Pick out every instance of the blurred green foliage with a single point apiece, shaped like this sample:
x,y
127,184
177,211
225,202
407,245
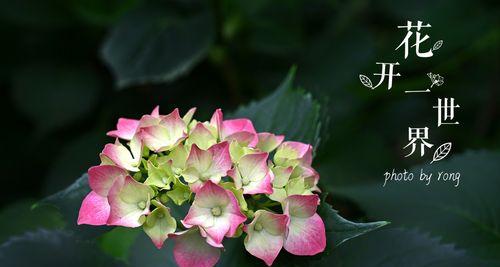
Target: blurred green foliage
x,y
69,69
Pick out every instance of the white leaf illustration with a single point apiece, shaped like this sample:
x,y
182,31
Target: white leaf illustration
x,y
437,45
441,152
366,81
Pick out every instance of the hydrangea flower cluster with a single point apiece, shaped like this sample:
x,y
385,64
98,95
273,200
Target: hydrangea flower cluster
x,y
234,179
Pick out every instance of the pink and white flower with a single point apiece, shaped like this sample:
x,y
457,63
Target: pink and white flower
x,y
126,128
252,174
216,211
204,165
240,130
280,181
202,136
265,235
306,231
163,133
119,155
129,201
293,153
95,207
268,141
170,158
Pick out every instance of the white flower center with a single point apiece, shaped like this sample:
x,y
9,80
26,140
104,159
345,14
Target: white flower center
x,y
258,227
141,205
216,211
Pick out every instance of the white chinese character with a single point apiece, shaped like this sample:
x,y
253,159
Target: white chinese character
x,y
448,108
416,135
389,72
418,41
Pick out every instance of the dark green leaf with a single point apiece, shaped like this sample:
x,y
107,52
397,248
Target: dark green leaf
x,y
19,217
339,230
68,202
399,247
155,44
466,215
143,253
118,241
287,111
51,248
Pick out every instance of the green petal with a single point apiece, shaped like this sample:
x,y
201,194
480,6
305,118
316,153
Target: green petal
x,y
279,194
237,151
159,224
160,176
180,193
296,186
178,156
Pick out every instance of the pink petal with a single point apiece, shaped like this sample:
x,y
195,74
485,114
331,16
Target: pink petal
x,y
221,159
125,129
120,156
296,150
216,120
201,136
306,236
188,116
125,199
301,205
267,242
200,213
102,177
211,164
236,216
211,195
219,230
230,127
252,174
164,134
156,112
209,239
263,186
148,120
190,249
159,139
243,138
268,141
94,210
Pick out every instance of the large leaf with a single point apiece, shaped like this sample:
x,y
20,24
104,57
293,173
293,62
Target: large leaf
x,y
68,202
466,215
340,230
143,253
51,248
394,247
117,242
155,44
19,217
288,111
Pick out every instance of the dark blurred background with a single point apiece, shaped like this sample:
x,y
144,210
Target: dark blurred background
x,y
70,68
